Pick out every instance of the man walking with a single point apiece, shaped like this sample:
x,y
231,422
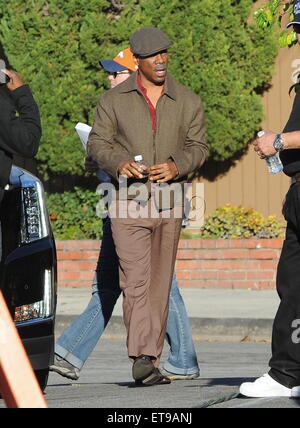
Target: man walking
x,y
165,124
77,342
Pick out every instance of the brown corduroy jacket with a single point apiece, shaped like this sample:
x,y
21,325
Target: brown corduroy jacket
x,y
123,128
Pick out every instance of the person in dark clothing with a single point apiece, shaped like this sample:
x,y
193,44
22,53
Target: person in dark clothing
x,y
283,378
20,127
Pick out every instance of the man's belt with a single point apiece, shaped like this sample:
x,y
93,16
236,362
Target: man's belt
x,y
296,177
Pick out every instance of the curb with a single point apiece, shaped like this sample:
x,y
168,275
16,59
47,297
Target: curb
x,y
219,329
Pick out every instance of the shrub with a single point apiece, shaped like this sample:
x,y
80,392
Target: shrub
x,y
240,222
73,215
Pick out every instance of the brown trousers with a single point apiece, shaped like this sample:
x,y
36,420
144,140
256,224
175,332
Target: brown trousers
x,y
146,248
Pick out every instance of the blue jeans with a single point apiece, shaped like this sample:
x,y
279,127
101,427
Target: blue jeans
x,y
80,338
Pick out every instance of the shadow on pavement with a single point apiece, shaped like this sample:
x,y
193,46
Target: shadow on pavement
x,y
237,381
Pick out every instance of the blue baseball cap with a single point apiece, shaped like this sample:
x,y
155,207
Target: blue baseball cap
x,y
123,61
111,66
296,10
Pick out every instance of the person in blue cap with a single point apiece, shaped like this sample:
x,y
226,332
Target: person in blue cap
x,y
119,68
78,341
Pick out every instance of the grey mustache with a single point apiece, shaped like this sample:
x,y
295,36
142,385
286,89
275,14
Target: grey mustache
x,y
160,68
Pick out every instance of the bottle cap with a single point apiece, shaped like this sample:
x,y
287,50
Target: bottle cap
x,y
138,158
260,134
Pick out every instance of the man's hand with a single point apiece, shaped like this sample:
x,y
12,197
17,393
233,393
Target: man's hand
x,y
131,169
163,172
264,145
90,164
15,80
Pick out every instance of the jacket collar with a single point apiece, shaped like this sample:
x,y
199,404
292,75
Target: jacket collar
x,y
131,85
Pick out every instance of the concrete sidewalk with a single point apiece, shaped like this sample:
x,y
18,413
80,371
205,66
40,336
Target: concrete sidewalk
x,y
214,314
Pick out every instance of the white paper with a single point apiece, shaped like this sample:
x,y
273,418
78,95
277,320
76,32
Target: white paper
x,y
83,131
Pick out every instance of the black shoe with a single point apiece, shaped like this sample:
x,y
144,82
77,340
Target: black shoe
x,y
142,367
155,378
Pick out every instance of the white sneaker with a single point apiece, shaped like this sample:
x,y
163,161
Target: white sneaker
x,y
296,392
265,386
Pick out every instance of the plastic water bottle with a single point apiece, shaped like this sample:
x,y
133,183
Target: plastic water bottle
x,y
139,160
273,162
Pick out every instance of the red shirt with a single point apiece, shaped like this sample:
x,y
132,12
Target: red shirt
x,y
151,107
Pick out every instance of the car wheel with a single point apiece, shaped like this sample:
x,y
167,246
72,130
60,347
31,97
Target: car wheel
x,y
42,377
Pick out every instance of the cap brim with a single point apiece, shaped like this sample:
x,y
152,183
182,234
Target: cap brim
x,y
111,66
151,52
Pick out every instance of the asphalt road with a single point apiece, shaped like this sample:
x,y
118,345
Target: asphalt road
x,y
106,381
225,360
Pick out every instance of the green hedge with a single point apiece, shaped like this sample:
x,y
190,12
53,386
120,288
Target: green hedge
x,y
217,52
73,215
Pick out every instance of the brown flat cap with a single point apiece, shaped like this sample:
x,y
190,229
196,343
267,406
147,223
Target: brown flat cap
x,y
148,41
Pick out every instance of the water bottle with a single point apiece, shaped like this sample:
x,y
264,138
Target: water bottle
x,y
139,160
273,162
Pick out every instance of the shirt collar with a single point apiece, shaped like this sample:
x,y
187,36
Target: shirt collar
x,y
131,84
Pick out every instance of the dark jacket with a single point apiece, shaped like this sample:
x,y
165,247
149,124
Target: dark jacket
x,y
20,129
291,157
123,128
